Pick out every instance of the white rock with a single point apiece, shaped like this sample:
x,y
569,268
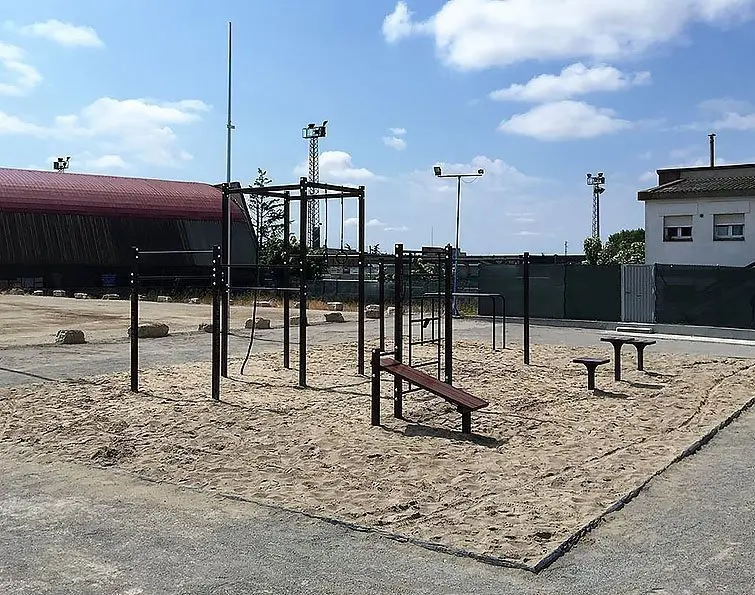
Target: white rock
x,y
264,304
206,327
261,324
163,298
334,317
111,296
335,306
38,292
81,296
295,321
151,330
58,293
70,337
193,301
372,311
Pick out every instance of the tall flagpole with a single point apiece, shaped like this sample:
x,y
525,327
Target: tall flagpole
x,y
226,224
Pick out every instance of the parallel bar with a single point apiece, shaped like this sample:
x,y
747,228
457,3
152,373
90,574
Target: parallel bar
x,y
155,252
426,364
286,281
303,282
349,190
526,285
449,306
398,326
135,322
381,301
362,264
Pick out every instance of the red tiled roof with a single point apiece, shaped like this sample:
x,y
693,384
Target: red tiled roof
x,y
30,191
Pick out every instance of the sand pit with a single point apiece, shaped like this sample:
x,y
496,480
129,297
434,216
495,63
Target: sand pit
x,y
550,455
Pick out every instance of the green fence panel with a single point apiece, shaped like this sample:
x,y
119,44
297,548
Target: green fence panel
x,y
593,292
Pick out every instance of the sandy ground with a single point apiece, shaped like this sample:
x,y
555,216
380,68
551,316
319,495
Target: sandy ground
x,y
548,455
31,320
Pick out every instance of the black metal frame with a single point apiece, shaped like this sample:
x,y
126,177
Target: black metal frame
x,y
492,296
217,285
284,192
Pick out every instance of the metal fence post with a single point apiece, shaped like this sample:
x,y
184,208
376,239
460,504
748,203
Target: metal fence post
x,y
398,327
217,276
135,322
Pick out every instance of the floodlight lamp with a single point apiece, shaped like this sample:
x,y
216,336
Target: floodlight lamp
x,y
589,176
600,174
480,171
437,170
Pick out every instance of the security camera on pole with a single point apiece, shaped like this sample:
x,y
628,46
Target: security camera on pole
x,y
597,182
439,173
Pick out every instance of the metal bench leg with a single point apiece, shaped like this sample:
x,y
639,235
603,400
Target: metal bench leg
x,y
617,362
375,364
591,377
466,421
640,357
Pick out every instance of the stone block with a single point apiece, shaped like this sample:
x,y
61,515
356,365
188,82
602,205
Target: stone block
x,y
38,292
16,291
372,311
192,301
390,311
295,321
163,298
335,306
334,317
81,296
111,296
206,327
265,304
70,337
58,293
261,324
151,330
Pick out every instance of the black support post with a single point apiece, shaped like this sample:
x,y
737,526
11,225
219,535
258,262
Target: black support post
x,y
448,305
375,368
526,301
217,297
135,322
286,280
362,264
303,281
225,257
398,327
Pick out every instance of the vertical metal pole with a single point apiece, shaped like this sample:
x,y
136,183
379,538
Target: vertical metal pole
x,y
478,309
398,327
456,252
362,305
226,224
135,322
449,322
303,281
217,286
375,368
381,300
286,281
526,301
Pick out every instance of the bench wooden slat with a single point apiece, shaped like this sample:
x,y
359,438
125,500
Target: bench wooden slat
x,y
433,385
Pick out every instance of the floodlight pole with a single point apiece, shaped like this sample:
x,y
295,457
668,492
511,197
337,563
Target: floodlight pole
x,y
225,245
598,187
439,173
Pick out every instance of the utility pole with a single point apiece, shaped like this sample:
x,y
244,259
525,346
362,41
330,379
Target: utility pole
x,y
566,248
314,133
598,187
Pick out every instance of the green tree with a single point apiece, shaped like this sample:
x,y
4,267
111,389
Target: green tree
x,y
623,247
267,219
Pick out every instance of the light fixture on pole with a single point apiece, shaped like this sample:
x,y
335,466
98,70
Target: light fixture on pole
x,y
313,134
61,164
439,173
597,182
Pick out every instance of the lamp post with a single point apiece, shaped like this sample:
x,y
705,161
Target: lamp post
x,y
439,173
597,182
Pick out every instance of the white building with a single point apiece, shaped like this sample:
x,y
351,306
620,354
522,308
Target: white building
x,y
701,216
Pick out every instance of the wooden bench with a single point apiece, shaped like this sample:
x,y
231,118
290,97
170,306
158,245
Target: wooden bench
x,y
618,343
591,363
464,402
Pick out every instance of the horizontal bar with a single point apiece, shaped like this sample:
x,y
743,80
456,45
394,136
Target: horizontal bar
x,y
427,342
429,319
434,362
467,294
346,190
281,289
263,191
154,252
173,278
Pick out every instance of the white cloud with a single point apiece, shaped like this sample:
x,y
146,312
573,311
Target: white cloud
x,y
724,114
648,176
479,34
140,129
576,79
394,142
106,163
21,76
397,131
401,228
354,221
62,33
564,120
336,165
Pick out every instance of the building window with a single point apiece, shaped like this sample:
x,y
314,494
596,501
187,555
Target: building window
x,y
729,227
677,228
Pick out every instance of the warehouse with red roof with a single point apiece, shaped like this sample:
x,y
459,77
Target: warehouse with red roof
x,y
67,230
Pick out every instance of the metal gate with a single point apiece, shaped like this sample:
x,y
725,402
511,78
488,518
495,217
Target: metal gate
x,y
637,293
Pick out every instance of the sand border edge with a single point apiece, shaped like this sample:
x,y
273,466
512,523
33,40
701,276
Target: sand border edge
x,y
574,538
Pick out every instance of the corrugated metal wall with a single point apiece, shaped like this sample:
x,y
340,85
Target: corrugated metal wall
x,y
637,293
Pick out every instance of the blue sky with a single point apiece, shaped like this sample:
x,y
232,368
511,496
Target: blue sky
x,y
536,92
